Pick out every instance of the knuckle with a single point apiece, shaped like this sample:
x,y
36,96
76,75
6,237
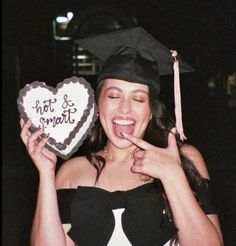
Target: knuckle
x,y
38,149
138,142
31,152
141,168
135,168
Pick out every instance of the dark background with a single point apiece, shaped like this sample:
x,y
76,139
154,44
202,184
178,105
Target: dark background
x,y
203,32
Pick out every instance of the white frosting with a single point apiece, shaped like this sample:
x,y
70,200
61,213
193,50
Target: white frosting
x,y
79,134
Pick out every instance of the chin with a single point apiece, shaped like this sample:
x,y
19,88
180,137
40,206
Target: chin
x,y
120,143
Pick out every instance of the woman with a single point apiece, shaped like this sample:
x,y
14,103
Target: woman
x,y
134,169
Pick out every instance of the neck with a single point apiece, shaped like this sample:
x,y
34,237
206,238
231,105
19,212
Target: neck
x,y
113,154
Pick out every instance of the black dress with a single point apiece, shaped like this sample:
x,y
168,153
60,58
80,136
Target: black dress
x,y
89,210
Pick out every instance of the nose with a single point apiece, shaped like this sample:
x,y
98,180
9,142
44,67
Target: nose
x,y
125,106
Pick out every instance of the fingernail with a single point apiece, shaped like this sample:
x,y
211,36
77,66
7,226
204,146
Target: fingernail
x,y
173,130
46,136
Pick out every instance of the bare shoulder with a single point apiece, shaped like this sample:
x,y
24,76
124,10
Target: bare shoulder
x,y
72,172
194,155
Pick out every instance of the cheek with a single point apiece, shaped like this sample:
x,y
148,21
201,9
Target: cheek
x,y
104,108
145,112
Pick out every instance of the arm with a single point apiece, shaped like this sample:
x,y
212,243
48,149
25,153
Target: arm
x,y
195,227
195,156
47,228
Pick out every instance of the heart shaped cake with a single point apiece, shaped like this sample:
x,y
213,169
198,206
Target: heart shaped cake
x,y
67,112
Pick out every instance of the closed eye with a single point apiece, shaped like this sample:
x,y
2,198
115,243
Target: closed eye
x,y
141,100
113,97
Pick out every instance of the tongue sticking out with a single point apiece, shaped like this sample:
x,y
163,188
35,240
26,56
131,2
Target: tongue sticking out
x,y
123,128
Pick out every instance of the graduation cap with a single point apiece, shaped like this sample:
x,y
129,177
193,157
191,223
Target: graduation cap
x,y
134,55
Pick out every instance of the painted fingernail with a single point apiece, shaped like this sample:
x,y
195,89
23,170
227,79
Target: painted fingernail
x,y
124,134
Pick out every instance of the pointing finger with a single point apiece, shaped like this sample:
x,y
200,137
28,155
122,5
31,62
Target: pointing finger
x,y
136,141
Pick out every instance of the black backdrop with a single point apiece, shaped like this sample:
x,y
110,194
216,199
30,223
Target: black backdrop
x,y
29,54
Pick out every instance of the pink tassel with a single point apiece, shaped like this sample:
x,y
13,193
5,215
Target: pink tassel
x,y
178,108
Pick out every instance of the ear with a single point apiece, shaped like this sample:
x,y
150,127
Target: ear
x,y
150,117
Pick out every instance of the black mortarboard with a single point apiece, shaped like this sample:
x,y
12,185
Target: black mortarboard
x,y
133,55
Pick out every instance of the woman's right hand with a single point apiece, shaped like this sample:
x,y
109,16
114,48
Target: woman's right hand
x,y
43,158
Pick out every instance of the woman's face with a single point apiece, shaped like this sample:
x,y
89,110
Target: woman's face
x,y
124,107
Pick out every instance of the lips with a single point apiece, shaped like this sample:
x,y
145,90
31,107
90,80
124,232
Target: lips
x,y
123,125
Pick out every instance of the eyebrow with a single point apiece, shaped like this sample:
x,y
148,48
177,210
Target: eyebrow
x,y
120,90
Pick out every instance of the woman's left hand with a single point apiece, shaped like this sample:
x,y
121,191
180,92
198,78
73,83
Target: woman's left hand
x,y
154,161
